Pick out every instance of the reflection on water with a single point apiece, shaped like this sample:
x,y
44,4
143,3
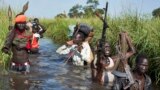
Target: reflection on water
x,y
48,72
17,83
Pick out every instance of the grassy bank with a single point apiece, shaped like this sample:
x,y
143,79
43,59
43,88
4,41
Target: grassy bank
x,y
3,31
143,31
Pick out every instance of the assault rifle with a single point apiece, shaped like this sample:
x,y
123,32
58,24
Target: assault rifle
x,y
100,47
122,50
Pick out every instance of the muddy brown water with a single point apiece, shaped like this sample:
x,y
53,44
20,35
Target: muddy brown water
x,y
48,72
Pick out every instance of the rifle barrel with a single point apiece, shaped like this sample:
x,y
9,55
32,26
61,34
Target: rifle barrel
x,y
104,23
106,11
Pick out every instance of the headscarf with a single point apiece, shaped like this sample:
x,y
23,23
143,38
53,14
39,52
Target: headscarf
x,y
20,18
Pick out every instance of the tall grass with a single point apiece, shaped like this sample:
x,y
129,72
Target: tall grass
x,y
144,32
3,31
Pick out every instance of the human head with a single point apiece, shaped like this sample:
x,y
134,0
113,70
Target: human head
x,y
20,22
107,49
78,38
36,20
82,27
35,28
141,63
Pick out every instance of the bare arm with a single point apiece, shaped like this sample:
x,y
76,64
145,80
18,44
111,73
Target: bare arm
x,y
8,42
97,72
131,47
93,71
129,53
9,39
63,49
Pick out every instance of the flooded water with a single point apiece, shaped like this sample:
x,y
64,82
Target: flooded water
x,y
48,72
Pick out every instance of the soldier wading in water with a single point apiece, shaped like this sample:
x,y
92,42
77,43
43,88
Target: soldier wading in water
x,y
18,40
78,49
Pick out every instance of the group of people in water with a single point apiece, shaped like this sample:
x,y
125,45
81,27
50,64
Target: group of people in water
x,y
109,70
106,69
22,39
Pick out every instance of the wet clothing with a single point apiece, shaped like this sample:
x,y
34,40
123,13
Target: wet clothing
x,y
37,31
19,43
35,43
110,66
108,76
121,82
78,58
21,67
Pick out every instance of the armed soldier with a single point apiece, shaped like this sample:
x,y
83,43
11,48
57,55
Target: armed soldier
x,y
103,61
142,81
79,51
103,66
18,40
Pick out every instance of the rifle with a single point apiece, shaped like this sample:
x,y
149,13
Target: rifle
x,y
101,42
122,49
101,47
71,54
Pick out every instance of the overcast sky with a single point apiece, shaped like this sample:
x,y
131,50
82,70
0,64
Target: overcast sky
x,y
50,8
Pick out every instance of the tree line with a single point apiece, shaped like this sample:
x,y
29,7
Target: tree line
x,y
79,11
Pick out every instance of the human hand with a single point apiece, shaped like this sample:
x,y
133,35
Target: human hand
x,y
10,27
41,35
79,48
5,50
104,63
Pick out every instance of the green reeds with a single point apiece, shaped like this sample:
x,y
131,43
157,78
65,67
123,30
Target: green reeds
x,y
143,31
3,32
